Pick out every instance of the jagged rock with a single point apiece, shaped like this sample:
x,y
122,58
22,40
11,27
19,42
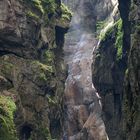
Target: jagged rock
x,y
31,64
108,71
118,81
131,104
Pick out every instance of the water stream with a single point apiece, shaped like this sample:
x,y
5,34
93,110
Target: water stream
x,y
83,109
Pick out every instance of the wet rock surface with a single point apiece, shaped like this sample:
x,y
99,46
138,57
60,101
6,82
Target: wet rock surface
x,y
32,71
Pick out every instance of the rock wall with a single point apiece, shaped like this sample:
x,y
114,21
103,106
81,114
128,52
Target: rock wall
x,y
108,75
131,104
116,74
32,72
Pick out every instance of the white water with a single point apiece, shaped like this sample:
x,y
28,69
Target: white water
x,y
80,43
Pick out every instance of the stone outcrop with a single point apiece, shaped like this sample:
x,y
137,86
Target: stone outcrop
x,y
117,78
33,104
32,71
108,75
131,104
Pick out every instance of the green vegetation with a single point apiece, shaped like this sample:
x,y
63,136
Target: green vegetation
x,y
7,126
42,66
66,13
116,27
45,132
45,6
49,6
32,15
6,68
49,55
103,36
100,25
119,39
38,5
41,72
126,72
51,100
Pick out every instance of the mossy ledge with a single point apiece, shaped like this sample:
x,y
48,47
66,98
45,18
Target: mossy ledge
x,y
7,126
31,67
117,29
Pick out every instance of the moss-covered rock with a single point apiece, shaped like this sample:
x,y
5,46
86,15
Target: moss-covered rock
x,y
7,126
115,31
31,67
119,40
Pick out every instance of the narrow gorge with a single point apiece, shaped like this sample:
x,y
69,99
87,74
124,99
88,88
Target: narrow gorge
x,y
69,70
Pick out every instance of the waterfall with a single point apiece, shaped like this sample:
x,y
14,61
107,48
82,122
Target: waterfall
x,y
82,103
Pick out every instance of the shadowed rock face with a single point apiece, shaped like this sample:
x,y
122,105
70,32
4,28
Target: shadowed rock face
x,y
131,97
82,105
32,67
118,81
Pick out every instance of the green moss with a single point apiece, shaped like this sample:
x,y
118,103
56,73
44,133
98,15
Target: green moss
x,y
42,73
49,55
103,36
7,126
32,15
49,6
116,27
66,13
119,39
38,5
45,6
100,25
42,67
51,100
6,68
126,72
42,77
45,133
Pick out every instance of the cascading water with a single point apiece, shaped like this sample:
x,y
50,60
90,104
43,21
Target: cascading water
x,y
82,105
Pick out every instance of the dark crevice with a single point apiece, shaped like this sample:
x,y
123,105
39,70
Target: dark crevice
x,y
25,132
59,35
124,8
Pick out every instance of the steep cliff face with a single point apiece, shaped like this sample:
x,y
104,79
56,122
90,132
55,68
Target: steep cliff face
x,y
33,104
116,74
108,76
32,72
131,103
